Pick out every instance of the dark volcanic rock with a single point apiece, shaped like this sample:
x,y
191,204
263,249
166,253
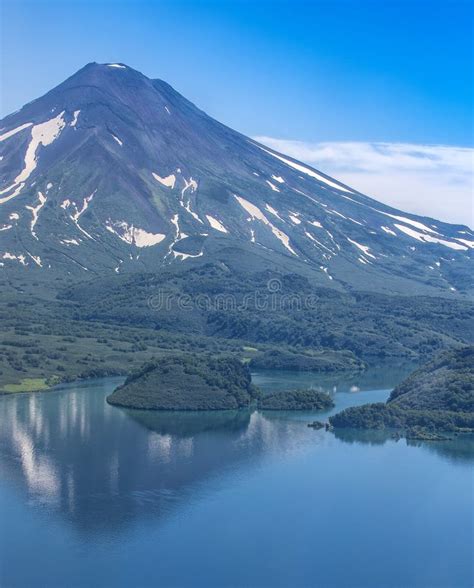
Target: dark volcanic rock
x,y
317,425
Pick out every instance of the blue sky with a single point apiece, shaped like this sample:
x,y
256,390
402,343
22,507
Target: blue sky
x,y
354,71
332,70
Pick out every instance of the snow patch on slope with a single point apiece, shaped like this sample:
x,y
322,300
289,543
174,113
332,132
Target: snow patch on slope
x,y
73,123
466,242
271,210
272,186
256,213
12,132
388,231
215,224
325,270
412,222
133,235
35,210
168,181
190,185
306,170
36,259
318,243
180,236
430,239
78,212
278,179
13,194
12,257
69,242
183,256
363,248
42,134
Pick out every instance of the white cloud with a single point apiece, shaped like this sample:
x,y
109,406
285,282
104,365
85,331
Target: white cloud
x,y
431,180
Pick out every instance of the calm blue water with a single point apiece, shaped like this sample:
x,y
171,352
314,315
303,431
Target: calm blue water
x,y
93,495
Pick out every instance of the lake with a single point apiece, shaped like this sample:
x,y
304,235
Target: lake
x,y
95,496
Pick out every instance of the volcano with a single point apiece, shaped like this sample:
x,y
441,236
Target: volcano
x,y
113,173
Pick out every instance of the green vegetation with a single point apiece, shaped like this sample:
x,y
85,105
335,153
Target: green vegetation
x,y
445,383
296,400
327,361
386,416
42,339
26,385
204,382
302,315
60,330
188,382
439,397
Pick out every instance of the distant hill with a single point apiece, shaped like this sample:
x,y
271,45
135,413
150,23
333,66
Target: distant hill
x,y
323,362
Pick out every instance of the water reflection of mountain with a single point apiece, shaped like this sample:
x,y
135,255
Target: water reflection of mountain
x,y
460,449
101,467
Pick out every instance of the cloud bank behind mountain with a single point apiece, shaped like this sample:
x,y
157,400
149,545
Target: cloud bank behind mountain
x,y
430,180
